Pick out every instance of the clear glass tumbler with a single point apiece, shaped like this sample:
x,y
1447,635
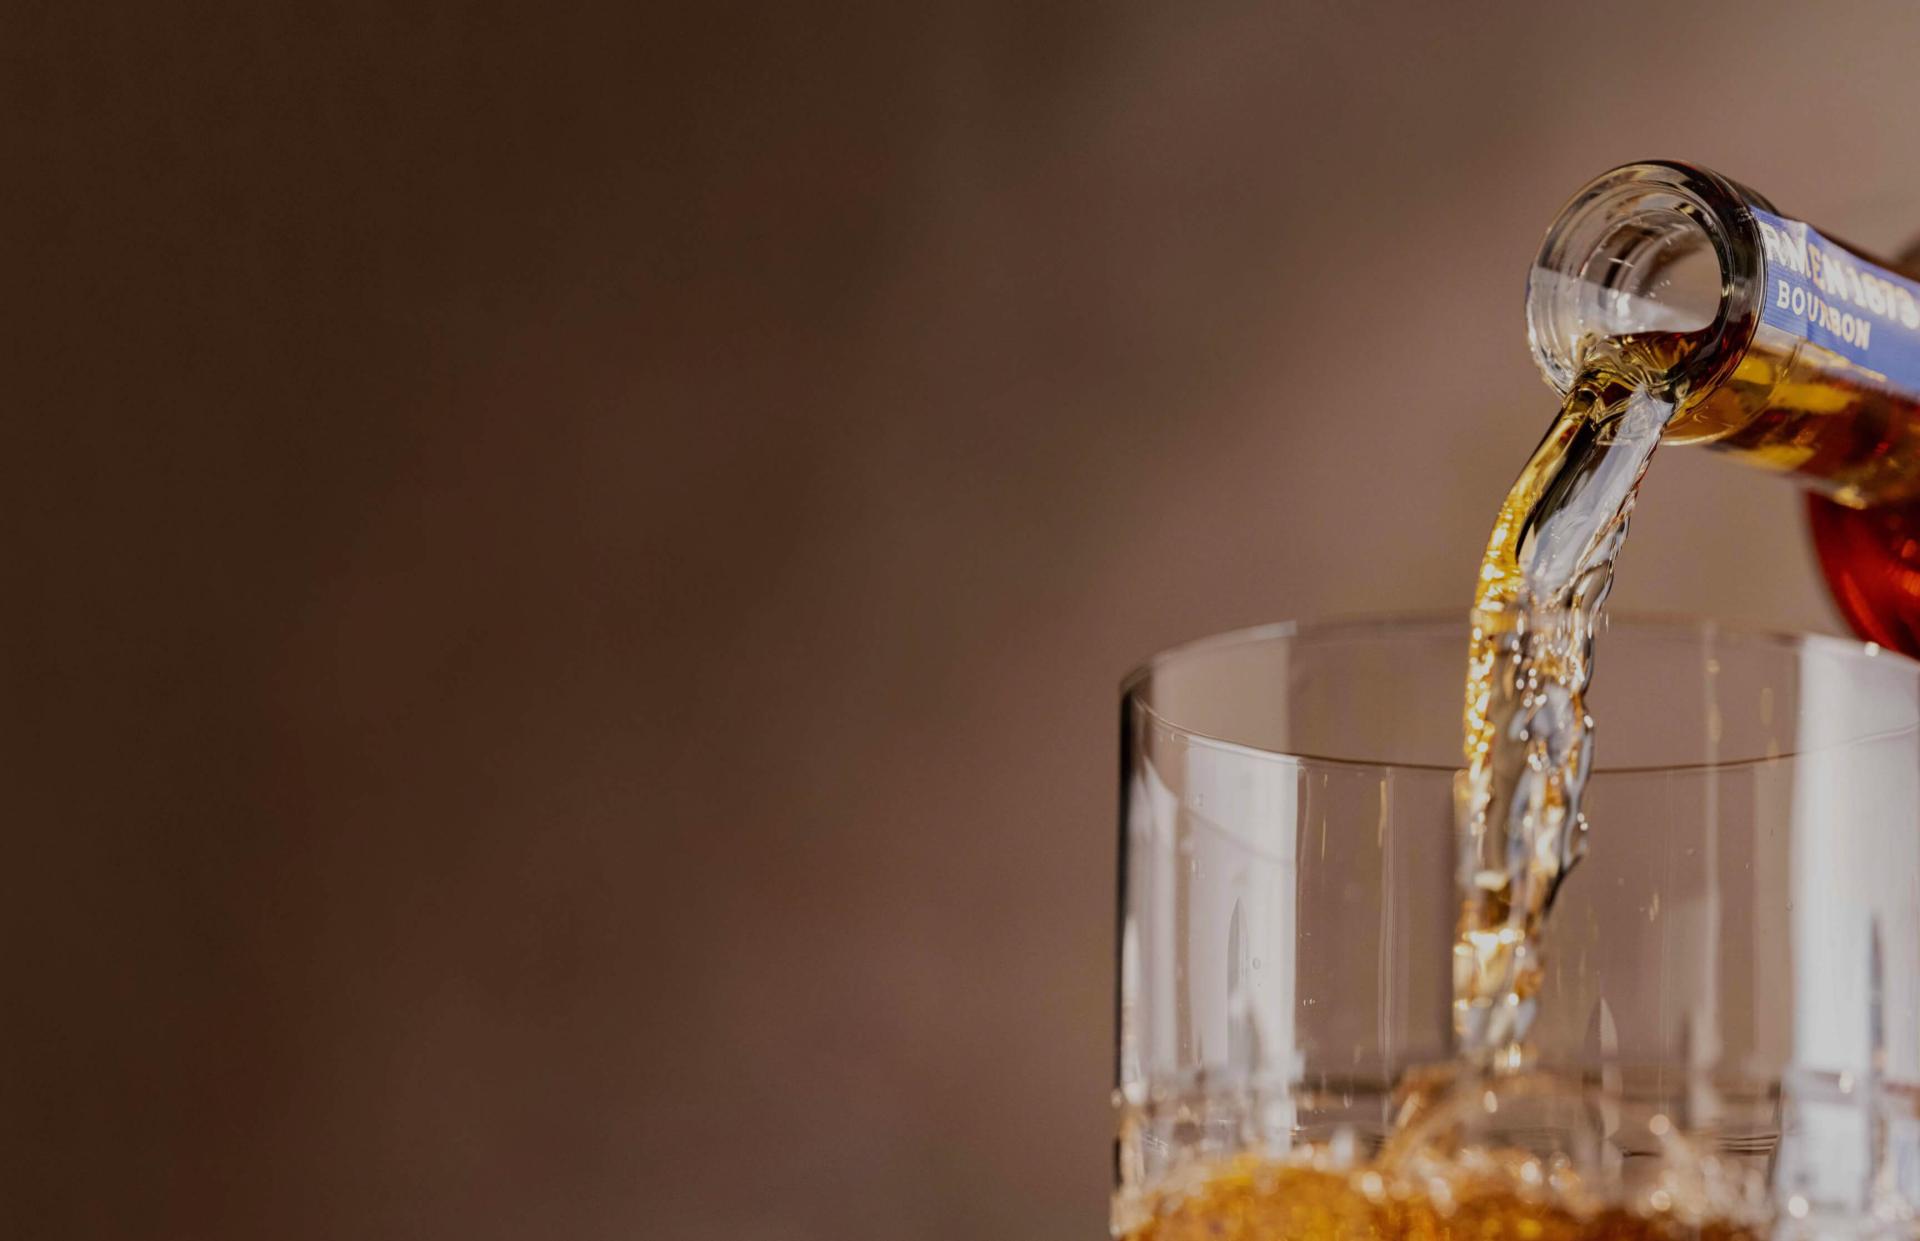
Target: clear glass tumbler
x,y
1737,958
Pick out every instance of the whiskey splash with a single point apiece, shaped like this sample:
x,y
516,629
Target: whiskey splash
x,y
1485,1196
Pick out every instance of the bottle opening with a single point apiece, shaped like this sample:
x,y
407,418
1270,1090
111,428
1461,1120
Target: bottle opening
x,y
1649,248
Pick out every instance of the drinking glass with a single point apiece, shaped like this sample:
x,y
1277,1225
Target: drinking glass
x,y
1736,959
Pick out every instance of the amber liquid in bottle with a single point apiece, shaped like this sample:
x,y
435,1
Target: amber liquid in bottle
x,y
1855,440
1871,559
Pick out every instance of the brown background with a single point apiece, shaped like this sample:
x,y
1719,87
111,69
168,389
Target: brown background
x,y
568,565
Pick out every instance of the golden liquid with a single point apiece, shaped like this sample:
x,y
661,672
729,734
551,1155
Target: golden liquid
x,y
1527,737
1793,407
1253,1200
1789,406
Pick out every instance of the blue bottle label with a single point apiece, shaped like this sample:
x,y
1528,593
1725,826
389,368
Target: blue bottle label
x,y
1818,291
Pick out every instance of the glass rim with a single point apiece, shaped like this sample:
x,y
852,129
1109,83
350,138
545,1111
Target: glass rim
x,y
1362,623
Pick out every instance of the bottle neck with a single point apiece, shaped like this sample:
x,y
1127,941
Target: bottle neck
x,y
1651,248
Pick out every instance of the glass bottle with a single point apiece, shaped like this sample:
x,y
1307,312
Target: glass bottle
x,y
1790,350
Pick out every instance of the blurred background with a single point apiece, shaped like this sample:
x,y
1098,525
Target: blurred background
x,y
570,564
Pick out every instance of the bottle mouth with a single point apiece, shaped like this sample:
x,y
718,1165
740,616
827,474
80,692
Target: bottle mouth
x,y
1650,248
